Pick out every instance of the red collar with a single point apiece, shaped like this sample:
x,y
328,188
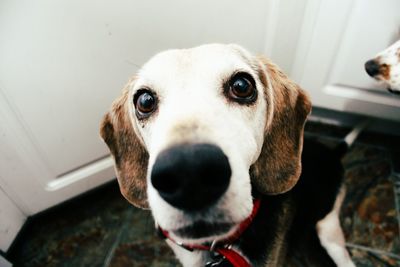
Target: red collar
x,y
224,247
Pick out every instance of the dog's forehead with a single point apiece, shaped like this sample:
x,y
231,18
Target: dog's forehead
x,y
207,61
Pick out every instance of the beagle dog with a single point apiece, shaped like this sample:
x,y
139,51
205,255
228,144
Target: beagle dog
x,y
210,139
385,67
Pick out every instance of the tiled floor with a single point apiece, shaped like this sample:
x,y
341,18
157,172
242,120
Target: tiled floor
x,y
102,229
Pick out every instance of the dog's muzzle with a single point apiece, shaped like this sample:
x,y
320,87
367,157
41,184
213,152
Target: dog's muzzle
x,y
191,177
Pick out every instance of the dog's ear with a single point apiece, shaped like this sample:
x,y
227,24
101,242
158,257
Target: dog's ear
x,y
130,156
279,165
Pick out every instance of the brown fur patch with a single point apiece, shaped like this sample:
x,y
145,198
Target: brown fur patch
x,y
279,165
384,70
130,156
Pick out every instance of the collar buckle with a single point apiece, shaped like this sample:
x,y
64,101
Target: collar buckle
x,y
216,259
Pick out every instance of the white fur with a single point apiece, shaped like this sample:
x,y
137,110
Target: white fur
x,y
331,235
188,84
189,258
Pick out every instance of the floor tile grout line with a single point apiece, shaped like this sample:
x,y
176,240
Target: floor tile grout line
x,y
113,247
384,260
372,250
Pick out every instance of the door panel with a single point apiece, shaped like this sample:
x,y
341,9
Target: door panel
x,y
372,27
11,220
337,38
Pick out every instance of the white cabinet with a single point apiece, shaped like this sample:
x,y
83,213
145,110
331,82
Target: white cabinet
x,y
337,38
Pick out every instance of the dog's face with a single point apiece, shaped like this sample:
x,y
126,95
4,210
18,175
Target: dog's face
x,y
198,131
385,67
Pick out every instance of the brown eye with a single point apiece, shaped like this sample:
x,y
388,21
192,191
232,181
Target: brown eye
x,y
242,88
145,103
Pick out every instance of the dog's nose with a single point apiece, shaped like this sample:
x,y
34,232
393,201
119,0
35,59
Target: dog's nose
x,y
191,176
372,67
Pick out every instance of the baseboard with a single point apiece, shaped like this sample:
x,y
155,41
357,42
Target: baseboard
x,y
350,120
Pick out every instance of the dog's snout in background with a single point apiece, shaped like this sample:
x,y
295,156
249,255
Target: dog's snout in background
x,y
385,67
191,176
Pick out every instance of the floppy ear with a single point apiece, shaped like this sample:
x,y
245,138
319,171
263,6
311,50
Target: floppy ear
x,y
130,156
279,165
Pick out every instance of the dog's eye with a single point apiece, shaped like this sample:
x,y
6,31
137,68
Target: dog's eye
x,y
242,88
145,103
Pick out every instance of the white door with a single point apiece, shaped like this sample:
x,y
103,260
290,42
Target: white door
x,y
11,220
337,38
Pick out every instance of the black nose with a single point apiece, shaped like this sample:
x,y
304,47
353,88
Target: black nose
x,y
191,176
372,67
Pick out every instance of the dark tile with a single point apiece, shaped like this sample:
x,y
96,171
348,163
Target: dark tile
x,y
78,233
143,253
369,216
371,258
139,245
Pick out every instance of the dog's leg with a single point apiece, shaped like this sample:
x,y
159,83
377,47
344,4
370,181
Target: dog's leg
x,y
331,235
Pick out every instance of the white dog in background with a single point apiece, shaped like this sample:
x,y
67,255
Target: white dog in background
x,y
385,67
